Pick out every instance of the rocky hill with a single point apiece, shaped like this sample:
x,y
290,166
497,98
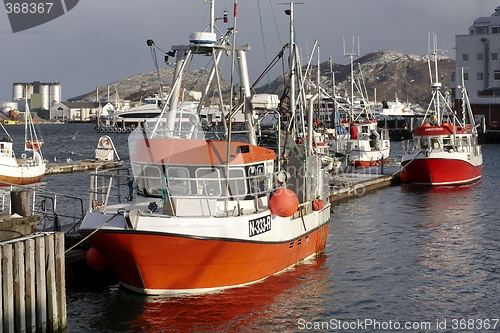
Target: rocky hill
x,y
140,85
387,73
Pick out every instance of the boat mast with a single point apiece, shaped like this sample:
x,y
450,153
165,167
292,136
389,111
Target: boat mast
x,y
351,60
435,84
291,62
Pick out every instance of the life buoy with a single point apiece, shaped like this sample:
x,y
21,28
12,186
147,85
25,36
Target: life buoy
x,y
104,142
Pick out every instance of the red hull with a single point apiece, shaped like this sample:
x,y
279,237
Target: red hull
x,y
440,171
366,164
169,263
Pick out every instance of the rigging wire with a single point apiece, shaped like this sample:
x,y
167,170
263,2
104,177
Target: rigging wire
x,y
152,48
264,41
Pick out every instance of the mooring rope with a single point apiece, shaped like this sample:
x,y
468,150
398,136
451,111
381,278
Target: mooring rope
x,y
93,232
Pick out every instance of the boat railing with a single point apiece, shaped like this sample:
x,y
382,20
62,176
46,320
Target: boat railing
x,y
179,196
102,184
408,146
58,212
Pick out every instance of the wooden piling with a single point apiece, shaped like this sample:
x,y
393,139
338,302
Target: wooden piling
x,y
20,202
33,290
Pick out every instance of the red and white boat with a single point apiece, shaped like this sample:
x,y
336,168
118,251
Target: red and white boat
x,y
360,138
30,167
366,144
204,215
444,149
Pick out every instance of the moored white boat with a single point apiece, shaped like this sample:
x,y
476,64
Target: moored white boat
x,y
444,149
204,214
30,166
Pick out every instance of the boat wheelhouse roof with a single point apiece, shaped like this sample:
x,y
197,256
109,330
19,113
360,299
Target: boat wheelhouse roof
x,y
198,152
444,129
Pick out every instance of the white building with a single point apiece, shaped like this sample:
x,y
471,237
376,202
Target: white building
x,y
77,111
478,57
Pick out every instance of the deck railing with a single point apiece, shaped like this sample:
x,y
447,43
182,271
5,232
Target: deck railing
x,y
63,217
118,186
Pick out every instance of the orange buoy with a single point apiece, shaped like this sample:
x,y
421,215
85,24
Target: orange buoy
x,y
95,260
404,176
284,202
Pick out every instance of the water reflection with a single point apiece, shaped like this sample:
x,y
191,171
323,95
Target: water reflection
x,y
276,303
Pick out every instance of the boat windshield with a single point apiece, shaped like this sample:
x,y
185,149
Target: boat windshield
x,y
156,180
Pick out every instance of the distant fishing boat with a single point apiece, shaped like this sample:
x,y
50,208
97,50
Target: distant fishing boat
x,y
360,137
444,149
29,167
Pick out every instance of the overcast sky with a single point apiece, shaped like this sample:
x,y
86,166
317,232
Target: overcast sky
x,y
99,42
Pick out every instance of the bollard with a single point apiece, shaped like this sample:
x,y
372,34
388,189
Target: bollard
x,y
20,202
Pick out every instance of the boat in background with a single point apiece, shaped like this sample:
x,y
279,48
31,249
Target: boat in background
x,y
30,167
444,149
360,139
210,214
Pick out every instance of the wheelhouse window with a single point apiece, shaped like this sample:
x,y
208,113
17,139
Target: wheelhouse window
x,y
465,141
178,181
152,180
424,143
208,182
237,182
435,143
447,144
257,179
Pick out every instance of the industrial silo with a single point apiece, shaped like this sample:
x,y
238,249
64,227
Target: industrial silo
x,y
18,91
44,90
55,93
8,106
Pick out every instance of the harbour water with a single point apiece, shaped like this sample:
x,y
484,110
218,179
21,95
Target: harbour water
x,y
401,258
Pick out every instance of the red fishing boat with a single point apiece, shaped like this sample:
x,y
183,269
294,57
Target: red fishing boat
x,y
444,149
207,214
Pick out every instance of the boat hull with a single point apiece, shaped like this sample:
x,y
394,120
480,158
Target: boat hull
x,y
442,171
19,180
12,173
164,263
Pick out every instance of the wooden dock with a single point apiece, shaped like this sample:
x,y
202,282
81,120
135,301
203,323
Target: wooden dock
x,y
77,166
361,181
